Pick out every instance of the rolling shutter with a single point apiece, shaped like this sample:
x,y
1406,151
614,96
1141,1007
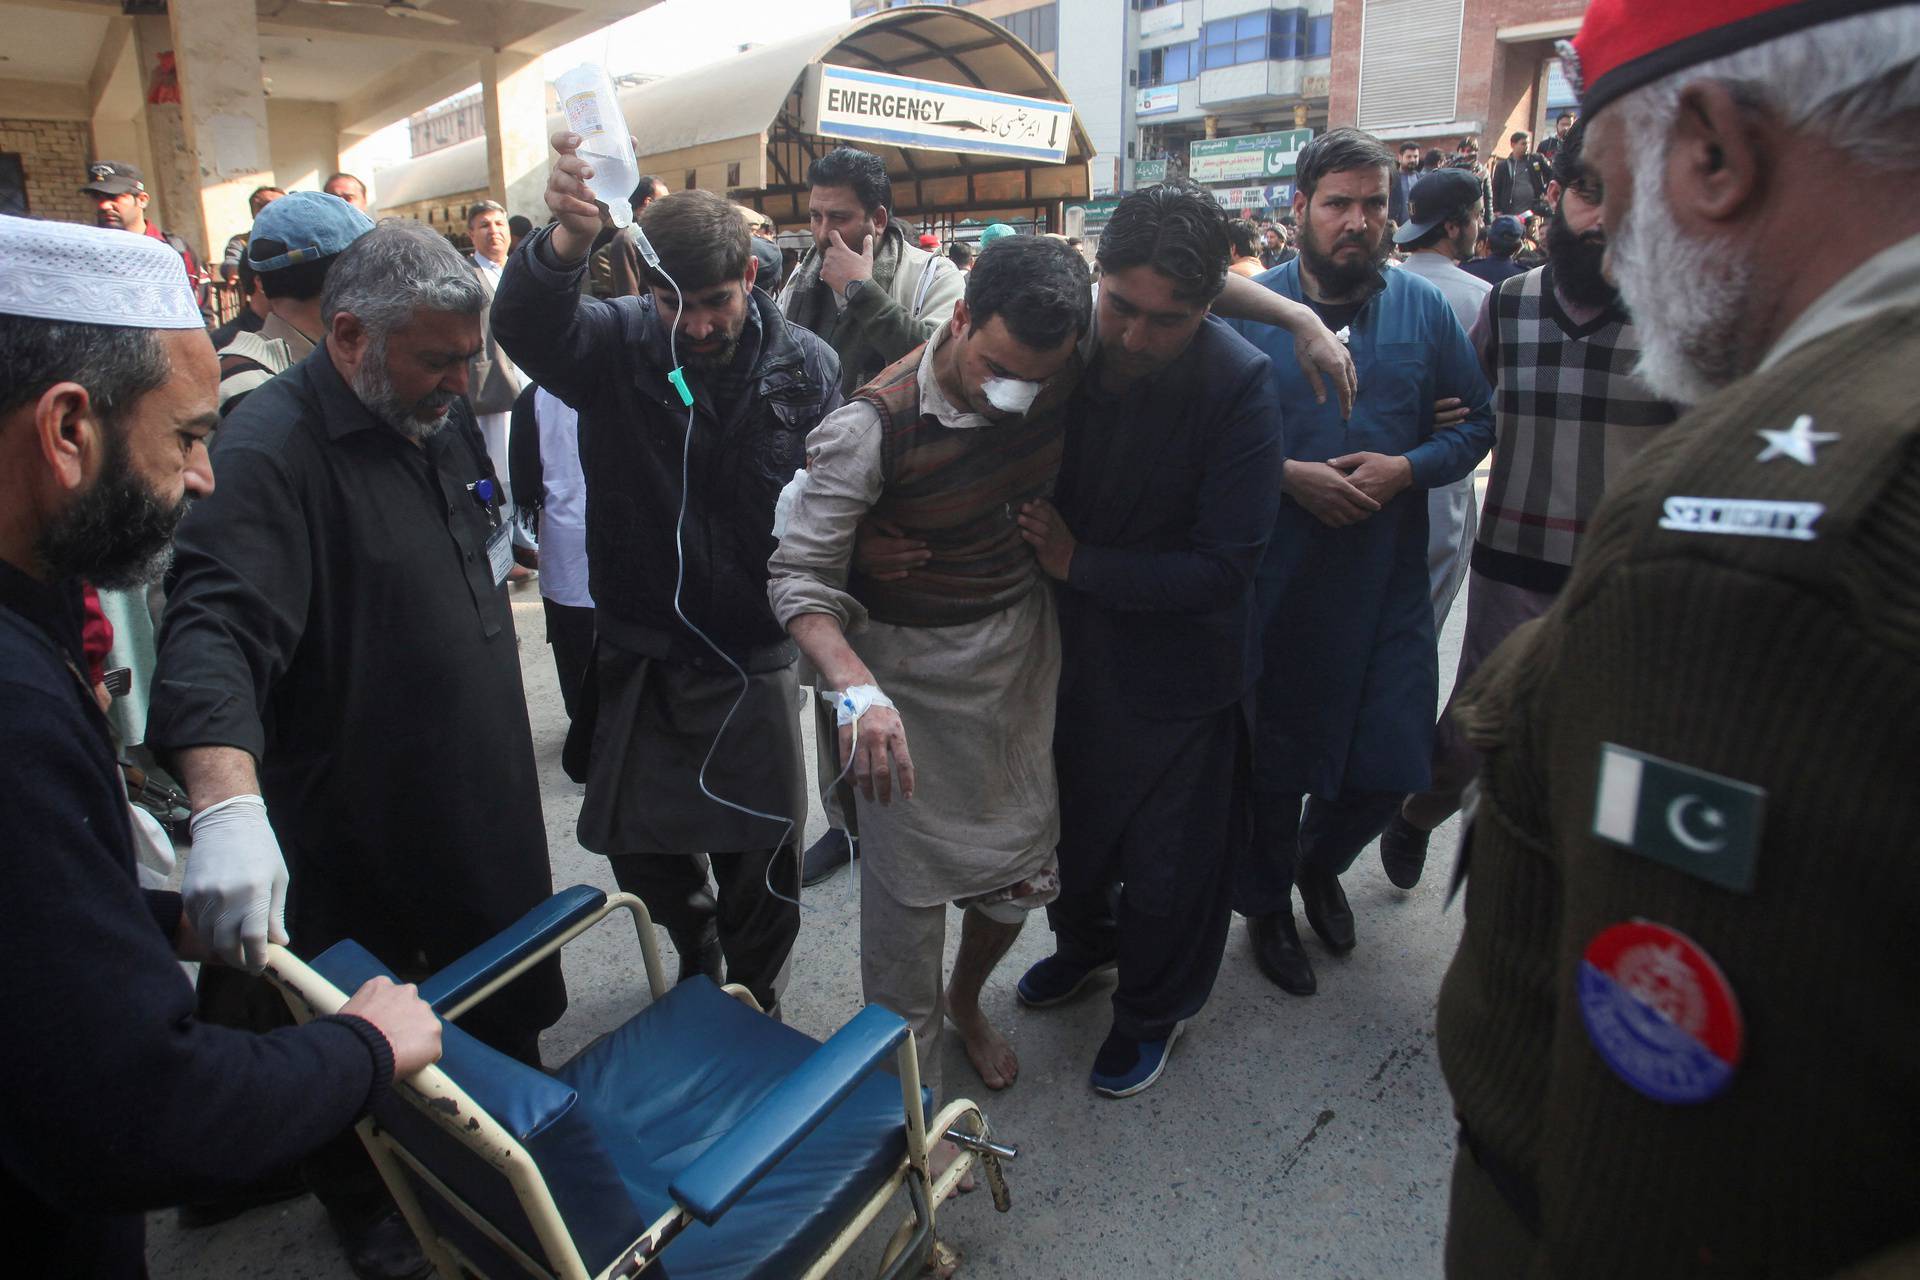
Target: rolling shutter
x,y
1409,62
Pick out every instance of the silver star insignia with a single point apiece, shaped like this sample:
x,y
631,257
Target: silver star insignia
x,y
1797,441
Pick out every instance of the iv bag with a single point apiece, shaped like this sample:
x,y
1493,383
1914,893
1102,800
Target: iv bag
x,y
593,111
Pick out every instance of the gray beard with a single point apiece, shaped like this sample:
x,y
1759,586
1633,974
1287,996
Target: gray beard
x,y
371,385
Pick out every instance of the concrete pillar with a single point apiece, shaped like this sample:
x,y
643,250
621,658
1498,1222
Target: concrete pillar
x,y
216,46
173,177
513,95
304,143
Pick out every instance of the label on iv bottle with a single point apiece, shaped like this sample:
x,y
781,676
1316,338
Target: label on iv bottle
x,y
583,114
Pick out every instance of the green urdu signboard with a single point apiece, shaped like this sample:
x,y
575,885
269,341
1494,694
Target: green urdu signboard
x,y
1253,155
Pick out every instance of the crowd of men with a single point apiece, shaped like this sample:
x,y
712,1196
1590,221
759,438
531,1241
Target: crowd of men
x,y
1118,591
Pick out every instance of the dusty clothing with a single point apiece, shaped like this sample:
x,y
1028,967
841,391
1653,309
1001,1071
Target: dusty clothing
x,y
955,488
903,949
1747,612
976,698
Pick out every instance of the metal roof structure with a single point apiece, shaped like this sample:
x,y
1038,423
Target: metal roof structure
x,y
737,124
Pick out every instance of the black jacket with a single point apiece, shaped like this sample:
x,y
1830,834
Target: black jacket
x,y
1171,492
1503,184
609,360
118,1098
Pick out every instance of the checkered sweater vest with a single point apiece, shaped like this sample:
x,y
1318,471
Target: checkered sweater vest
x,y
1570,415
958,490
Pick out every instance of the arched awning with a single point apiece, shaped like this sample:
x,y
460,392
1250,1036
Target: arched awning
x,y
739,126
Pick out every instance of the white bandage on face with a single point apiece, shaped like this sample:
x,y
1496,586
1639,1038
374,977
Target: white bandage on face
x,y
1010,395
783,505
850,704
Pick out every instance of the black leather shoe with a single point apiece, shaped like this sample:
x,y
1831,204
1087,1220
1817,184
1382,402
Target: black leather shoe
x,y
699,955
1327,909
1403,852
381,1248
825,856
1276,949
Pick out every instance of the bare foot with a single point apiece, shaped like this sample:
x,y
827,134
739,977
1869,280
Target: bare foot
x,y
943,1155
987,1049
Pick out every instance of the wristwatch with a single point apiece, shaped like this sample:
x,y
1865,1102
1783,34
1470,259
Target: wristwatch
x,y
853,287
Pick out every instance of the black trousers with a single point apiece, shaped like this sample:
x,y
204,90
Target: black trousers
x,y
1167,837
756,928
1325,835
570,632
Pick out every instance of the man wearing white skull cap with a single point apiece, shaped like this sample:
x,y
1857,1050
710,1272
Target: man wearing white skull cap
x,y
120,1099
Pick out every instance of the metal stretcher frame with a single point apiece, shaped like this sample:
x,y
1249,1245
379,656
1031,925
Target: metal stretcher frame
x,y
436,1096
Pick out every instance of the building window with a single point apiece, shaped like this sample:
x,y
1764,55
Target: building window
x,y
1039,27
1169,64
1155,4
1273,35
733,173
693,180
13,185
1320,36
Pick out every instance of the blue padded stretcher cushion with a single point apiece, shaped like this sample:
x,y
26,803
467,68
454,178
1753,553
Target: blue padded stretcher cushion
x,y
684,1072
543,1113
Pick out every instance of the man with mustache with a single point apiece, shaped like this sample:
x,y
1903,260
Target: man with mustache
x,y
1679,1030
338,683
1350,657
121,1099
1570,413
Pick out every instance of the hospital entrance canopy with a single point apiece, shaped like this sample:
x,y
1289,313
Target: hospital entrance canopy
x,y
966,117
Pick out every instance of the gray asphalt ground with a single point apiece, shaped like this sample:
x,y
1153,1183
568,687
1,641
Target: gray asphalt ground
x,y
1308,1139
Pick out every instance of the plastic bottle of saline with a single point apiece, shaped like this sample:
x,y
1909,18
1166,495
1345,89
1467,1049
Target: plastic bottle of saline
x,y
593,111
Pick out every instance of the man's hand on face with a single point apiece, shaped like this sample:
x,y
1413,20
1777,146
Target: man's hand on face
x,y
1332,499
840,265
1045,530
1380,476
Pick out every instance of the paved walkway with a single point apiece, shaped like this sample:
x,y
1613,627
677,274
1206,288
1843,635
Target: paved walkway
x,y
1308,1139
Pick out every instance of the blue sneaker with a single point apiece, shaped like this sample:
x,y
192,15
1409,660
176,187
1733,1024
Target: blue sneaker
x,y
1056,980
1124,1067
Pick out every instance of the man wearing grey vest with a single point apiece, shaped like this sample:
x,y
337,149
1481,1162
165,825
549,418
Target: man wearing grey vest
x,y
963,655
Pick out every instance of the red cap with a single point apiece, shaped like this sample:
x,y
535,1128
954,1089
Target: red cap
x,y
1624,44
928,240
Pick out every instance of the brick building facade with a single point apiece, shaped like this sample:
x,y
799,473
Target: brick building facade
x,y
53,156
1432,70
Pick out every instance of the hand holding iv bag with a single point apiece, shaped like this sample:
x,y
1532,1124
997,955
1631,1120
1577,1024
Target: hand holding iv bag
x,y
593,111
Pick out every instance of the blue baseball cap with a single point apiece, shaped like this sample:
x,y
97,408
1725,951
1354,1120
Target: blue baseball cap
x,y
1505,233
304,226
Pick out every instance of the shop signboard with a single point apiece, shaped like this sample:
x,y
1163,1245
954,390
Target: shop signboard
x,y
1253,155
900,111
1161,97
1277,195
1096,212
1148,172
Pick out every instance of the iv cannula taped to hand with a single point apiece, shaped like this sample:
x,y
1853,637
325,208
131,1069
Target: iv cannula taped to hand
x,y
593,111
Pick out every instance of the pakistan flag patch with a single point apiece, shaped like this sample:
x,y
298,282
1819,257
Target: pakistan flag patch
x,y
1693,821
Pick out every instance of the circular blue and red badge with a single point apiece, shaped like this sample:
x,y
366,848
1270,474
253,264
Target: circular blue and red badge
x,y
1660,1013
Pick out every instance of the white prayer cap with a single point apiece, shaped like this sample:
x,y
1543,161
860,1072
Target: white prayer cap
x,y
93,275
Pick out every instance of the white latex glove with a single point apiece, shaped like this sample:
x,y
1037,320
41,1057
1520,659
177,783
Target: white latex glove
x,y
236,883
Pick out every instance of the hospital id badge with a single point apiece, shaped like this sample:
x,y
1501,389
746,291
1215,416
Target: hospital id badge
x,y
500,553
